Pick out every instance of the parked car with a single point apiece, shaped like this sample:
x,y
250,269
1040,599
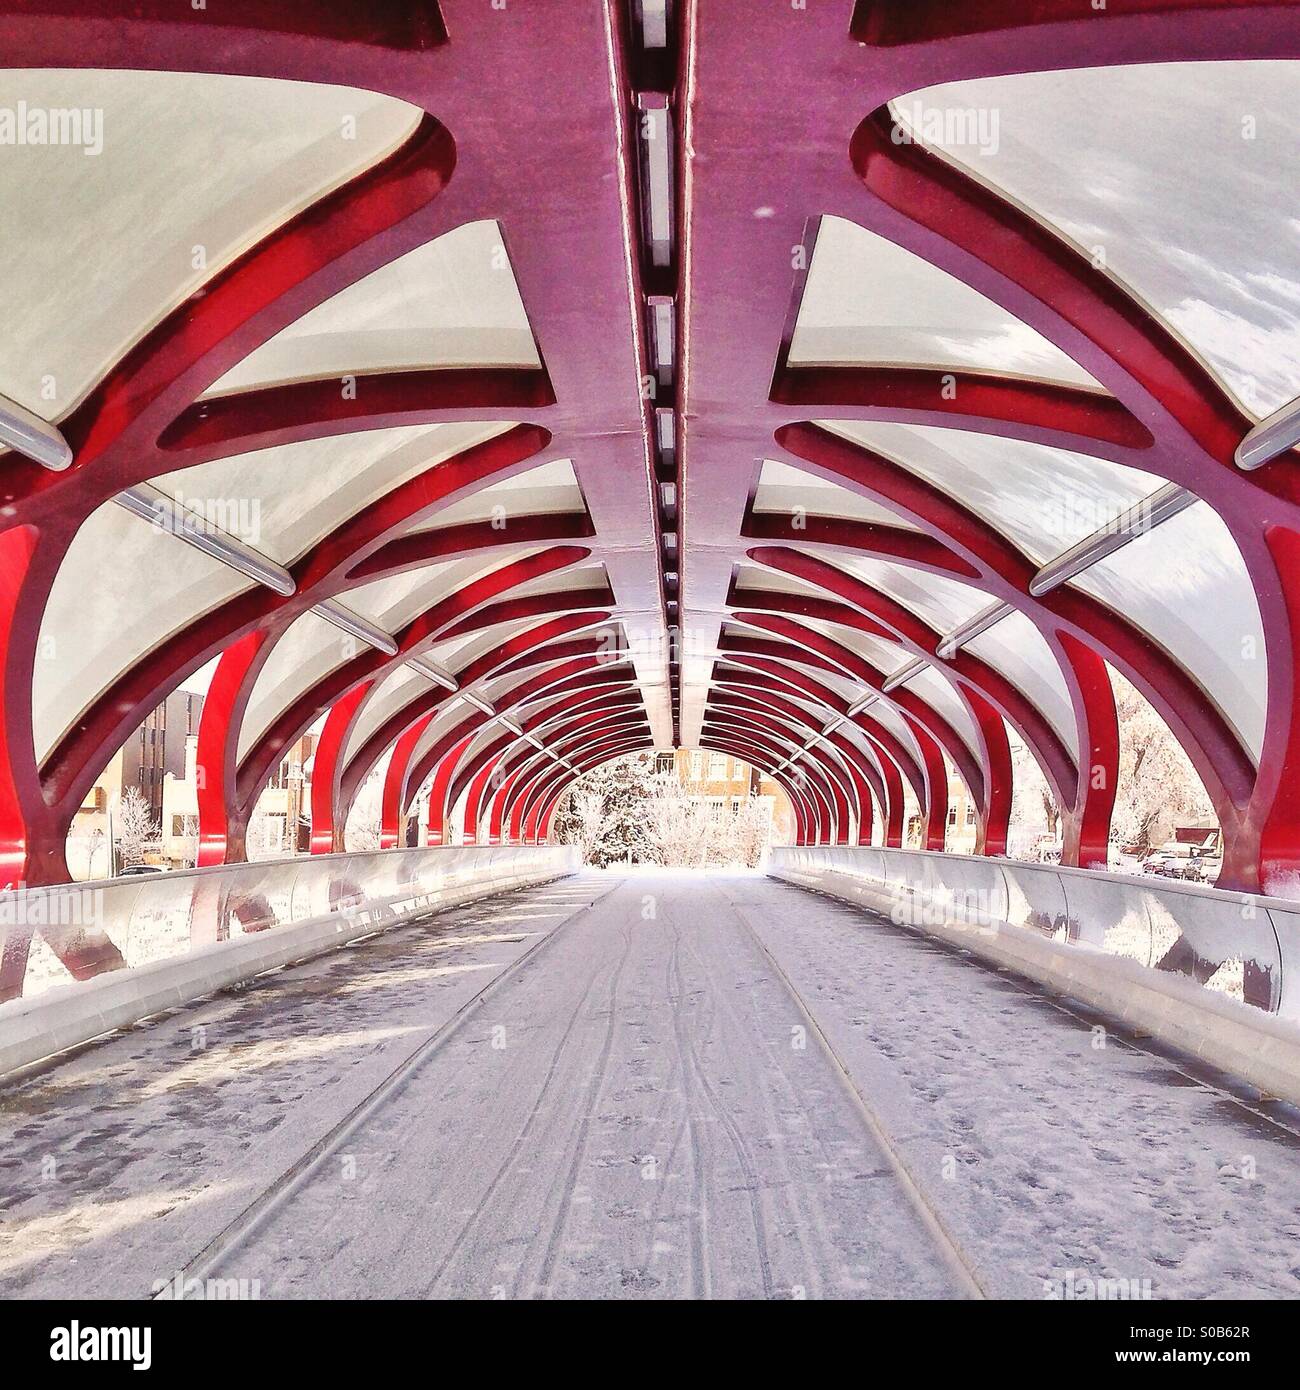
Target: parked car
x,y
142,869
1204,867
1166,860
1177,859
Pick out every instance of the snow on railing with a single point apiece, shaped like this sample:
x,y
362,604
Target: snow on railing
x,y
1240,945
80,930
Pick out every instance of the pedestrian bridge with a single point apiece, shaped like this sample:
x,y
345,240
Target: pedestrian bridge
x,y
865,389
493,1077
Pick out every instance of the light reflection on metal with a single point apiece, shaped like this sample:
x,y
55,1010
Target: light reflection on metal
x,y
1134,521
662,330
812,743
355,626
656,163
437,674
653,18
33,437
904,674
1138,520
970,630
1274,435
478,703
154,506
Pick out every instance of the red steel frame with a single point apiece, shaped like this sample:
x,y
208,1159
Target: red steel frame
x,y
812,138
141,421
773,146
490,111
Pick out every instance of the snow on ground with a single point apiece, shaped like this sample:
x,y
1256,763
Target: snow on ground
x,y
640,1111
1057,1159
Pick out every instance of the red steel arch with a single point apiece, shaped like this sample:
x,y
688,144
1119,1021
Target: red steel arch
x,y
661,601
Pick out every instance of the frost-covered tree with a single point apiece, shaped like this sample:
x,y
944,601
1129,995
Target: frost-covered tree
x,y
363,824
585,819
264,838
752,831
1157,786
1034,812
95,843
605,813
627,813
679,825
134,829
189,840
690,830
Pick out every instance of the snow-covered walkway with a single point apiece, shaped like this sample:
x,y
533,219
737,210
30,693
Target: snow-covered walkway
x,y
650,1086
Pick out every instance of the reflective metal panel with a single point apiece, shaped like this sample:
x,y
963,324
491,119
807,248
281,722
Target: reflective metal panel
x,y
1238,945
90,929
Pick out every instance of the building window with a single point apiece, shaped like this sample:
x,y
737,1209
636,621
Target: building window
x,y
952,815
970,815
717,767
664,762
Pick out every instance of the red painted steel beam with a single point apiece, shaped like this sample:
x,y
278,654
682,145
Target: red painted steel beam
x,y
144,417
896,761
782,669
323,573
297,411
806,808
982,689
1223,763
774,714
1165,414
833,779
469,604
988,696
475,722
528,763
328,813
762,696
392,820
534,647
548,791
223,823
918,713
603,751
811,777
581,674
444,770
863,765
494,754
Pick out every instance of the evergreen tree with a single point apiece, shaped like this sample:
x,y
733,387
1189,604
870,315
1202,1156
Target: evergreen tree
x,y
605,813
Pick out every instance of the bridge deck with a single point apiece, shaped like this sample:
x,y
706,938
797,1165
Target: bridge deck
x,y
651,1086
